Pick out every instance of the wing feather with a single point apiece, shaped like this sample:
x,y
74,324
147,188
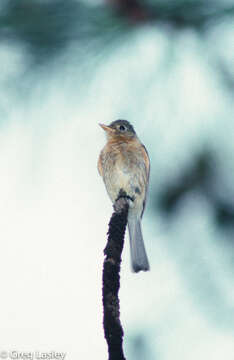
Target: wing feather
x,y
100,167
147,164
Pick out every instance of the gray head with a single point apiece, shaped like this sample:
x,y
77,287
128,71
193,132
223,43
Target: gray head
x,y
119,128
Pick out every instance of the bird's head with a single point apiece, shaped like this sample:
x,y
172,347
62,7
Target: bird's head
x,y
119,128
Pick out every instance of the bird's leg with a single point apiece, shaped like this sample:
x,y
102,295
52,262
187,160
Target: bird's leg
x,y
121,201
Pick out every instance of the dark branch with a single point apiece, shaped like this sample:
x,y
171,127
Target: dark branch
x,y
111,279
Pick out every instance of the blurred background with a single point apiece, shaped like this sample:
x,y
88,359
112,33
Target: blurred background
x,y
168,68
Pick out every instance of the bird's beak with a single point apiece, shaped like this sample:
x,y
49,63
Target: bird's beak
x,y
107,128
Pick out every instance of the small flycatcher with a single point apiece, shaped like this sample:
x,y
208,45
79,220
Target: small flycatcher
x,y
124,166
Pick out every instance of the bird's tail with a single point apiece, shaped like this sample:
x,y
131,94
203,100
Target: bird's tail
x,y
137,249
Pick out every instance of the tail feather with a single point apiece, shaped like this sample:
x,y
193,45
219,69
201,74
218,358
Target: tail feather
x,y
139,258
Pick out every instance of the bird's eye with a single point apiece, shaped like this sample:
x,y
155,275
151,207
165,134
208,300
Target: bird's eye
x,y
122,128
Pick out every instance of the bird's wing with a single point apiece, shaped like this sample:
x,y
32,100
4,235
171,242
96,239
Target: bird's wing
x,y
100,168
147,164
146,160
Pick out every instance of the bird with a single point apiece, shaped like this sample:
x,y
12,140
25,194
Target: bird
x,y
124,166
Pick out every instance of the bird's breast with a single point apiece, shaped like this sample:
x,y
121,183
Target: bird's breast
x,y
124,169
